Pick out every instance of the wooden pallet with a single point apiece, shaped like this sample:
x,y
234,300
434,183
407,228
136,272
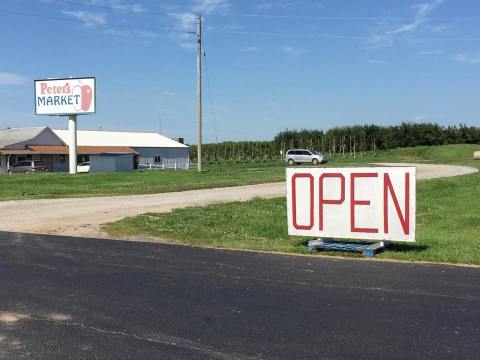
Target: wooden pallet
x,y
367,249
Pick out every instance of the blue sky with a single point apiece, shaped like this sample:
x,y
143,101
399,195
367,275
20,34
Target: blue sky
x,y
271,65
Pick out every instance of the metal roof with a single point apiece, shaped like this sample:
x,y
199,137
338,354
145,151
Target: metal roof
x,y
120,138
15,152
17,135
81,150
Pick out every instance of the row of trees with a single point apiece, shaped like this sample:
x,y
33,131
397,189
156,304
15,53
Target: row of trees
x,y
353,140
237,150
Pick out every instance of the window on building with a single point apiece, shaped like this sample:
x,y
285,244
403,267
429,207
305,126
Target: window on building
x,y
158,159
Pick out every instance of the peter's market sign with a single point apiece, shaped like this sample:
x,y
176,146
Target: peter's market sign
x,y
72,96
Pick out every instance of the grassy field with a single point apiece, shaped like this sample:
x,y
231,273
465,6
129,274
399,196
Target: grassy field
x,y
448,217
55,185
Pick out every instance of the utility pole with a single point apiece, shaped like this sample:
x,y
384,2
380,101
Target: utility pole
x,y
199,90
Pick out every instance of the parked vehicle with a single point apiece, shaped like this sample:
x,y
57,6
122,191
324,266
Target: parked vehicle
x,y
298,156
83,167
28,166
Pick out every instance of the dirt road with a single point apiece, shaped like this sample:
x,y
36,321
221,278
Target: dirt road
x,y
83,216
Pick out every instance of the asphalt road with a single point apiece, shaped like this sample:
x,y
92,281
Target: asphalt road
x,y
71,298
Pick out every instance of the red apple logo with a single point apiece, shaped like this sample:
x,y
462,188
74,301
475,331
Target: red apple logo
x,y
87,95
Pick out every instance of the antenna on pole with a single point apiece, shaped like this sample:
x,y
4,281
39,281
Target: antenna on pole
x,y
199,90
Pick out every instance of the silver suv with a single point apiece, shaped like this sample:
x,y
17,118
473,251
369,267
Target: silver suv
x,y
296,156
28,166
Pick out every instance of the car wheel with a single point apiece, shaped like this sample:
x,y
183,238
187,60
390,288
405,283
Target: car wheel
x,y
291,162
315,161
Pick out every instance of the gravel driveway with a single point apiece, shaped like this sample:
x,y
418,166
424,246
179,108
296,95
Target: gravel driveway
x,y
83,216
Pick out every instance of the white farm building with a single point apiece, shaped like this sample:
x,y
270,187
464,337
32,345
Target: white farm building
x,y
42,143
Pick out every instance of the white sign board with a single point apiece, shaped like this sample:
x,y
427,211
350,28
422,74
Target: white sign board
x,y
65,96
376,203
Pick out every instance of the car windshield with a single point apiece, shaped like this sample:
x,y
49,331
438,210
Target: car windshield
x,y
314,152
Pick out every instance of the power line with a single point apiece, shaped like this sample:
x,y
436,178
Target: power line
x,y
131,9
285,34
328,36
108,25
337,18
247,33
117,7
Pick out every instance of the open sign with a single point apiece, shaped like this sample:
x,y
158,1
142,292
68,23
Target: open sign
x,y
376,203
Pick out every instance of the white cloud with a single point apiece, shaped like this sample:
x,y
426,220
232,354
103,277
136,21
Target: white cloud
x,y
119,5
88,18
206,7
387,37
188,45
185,20
12,79
264,6
250,49
430,52
125,6
269,5
437,29
465,58
143,35
228,27
291,50
272,104
377,62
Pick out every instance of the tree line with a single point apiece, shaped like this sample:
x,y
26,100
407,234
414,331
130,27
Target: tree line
x,y
343,141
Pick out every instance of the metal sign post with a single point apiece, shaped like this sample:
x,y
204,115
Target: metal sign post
x,y
72,146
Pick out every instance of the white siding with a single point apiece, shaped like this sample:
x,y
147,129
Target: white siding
x,y
169,157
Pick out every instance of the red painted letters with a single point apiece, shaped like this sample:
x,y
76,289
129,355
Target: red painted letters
x,y
354,202
330,201
294,201
388,188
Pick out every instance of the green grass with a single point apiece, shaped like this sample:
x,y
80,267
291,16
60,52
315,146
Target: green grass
x,y
448,217
55,185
